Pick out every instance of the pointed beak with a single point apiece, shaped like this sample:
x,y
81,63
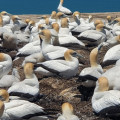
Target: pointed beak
x,y
113,22
9,14
79,55
100,46
107,28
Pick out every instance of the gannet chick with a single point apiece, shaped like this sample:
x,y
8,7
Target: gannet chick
x,y
63,9
65,68
10,41
67,112
18,109
23,88
5,64
105,102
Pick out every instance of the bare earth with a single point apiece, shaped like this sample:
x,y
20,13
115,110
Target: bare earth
x,y
57,90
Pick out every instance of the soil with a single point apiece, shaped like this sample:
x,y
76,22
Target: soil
x,y
57,90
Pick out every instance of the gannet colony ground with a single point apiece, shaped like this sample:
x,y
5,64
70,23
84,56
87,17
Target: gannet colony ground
x,y
61,66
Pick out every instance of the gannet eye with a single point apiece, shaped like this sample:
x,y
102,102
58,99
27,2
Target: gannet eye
x,y
74,54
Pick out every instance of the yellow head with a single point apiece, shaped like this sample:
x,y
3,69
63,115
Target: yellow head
x,y
59,14
47,21
46,35
64,23
100,27
28,70
103,84
55,26
4,94
2,107
108,18
117,19
27,21
96,22
15,18
68,55
75,14
67,109
53,14
32,23
3,13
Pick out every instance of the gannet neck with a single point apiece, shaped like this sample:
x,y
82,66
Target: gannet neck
x,y
103,84
90,18
28,70
61,2
2,107
5,95
1,21
96,22
2,57
76,16
93,57
117,38
47,22
67,109
64,23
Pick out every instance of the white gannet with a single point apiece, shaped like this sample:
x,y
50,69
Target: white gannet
x,y
63,9
105,102
5,64
29,87
5,17
66,38
67,112
83,26
8,80
26,50
65,68
113,41
89,75
50,51
19,109
76,16
112,55
94,37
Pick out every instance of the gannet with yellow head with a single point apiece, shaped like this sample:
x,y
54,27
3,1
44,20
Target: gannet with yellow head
x,y
23,88
67,112
18,109
65,68
63,9
105,102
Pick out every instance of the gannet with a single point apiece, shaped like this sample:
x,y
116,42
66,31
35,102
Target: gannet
x,y
65,68
29,87
63,9
5,64
67,112
18,109
105,102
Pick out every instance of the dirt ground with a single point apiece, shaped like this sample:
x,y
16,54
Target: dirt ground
x,y
57,90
